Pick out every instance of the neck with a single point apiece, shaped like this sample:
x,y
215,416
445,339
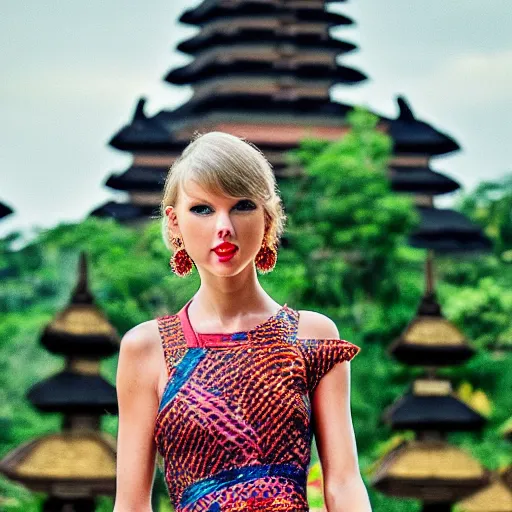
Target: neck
x,y
228,304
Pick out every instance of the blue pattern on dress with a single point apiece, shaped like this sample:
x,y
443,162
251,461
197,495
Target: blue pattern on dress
x,y
181,374
235,476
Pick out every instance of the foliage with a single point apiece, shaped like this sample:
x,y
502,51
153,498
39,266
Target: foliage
x,y
485,309
344,220
490,205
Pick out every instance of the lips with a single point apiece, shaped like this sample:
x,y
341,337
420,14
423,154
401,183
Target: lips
x,y
225,248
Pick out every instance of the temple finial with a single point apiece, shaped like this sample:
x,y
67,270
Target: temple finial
x,y
82,294
139,110
405,112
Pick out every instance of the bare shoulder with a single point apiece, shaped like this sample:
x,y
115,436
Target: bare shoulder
x,y
316,325
140,352
140,340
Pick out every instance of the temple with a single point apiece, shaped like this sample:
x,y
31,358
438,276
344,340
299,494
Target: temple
x,y
264,69
261,69
428,467
78,463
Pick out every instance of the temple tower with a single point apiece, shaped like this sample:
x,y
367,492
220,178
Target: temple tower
x,y
261,69
428,468
78,463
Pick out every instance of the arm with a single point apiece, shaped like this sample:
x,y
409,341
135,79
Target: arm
x,y
344,490
136,385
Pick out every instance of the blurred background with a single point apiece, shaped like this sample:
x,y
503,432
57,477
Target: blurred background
x,y
387,125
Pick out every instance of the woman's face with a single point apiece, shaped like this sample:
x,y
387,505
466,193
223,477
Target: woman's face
x,y
204,220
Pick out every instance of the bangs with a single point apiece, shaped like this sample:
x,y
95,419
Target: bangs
x,y
225,173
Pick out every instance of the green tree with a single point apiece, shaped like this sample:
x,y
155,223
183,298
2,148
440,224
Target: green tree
x,y
346,226
490,205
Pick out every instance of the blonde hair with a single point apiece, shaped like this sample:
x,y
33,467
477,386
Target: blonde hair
x,y
229,165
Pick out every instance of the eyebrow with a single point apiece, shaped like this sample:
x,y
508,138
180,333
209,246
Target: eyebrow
x,y
238,199
194,198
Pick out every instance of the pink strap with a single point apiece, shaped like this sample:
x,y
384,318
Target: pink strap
x,y
190,335
197,339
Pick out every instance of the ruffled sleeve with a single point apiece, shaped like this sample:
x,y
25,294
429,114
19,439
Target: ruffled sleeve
x,y
322,354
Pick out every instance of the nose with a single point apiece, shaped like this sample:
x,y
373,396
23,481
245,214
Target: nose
x,y
224,225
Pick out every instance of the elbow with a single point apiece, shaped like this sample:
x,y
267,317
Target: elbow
x,y
341,479
347,495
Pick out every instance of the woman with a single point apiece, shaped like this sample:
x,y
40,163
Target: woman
x,y
230,389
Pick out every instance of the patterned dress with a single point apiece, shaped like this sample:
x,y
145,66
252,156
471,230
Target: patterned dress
x,y
234,425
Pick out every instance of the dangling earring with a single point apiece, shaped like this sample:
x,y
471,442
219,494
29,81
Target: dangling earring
x,y
181,263
267,256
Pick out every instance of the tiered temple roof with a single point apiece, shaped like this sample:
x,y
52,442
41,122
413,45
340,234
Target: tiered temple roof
x,y
431,405
84,336
417,178
415,143
261,69
258,61
430,339
254,30
291,11
430,471
78,463
414,137
429,468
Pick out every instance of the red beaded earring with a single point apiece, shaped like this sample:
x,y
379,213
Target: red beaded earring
x,y
267,257
181,263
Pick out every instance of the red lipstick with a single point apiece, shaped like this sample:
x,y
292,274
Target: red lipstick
x,y
225,251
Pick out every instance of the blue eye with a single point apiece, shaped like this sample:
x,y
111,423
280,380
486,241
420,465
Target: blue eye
x,y
248,205
198,208
245,204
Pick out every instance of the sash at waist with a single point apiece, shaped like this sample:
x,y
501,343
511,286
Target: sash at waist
x,y
234,476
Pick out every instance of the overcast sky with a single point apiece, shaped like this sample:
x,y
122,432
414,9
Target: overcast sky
x,y
72,72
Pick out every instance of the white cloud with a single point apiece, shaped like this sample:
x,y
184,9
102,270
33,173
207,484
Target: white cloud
x,y
471,80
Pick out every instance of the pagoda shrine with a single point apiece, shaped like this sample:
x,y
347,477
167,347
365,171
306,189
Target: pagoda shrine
x,y
75,465
429,468
261,69
415,144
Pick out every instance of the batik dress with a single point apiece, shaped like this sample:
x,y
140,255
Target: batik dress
x,y
234,427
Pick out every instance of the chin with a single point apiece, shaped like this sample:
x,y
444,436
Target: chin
x,y
229,269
